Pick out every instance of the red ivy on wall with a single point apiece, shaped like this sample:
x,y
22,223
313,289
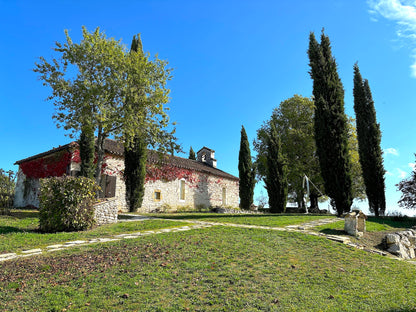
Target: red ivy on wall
x,y
55,165
168,173
76,157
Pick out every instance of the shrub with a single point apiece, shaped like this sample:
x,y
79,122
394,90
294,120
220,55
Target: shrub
x,y
66,203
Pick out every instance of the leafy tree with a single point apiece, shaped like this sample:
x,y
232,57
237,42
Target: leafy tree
x,y
331,130
97,76
247,172
408,189
191,154
87,150
135,151
357,186
369,139
276,173
294,121
7,185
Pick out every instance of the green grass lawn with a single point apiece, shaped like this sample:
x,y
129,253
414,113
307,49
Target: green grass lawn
x,y
273,220
212,269
20,231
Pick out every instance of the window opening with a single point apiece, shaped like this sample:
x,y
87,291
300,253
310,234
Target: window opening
x,y
182,190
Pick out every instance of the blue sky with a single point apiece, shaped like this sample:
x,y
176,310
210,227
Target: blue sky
x,y
234,61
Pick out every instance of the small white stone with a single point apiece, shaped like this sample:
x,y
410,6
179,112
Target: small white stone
x,y
78,242
32,251
54,246
7,256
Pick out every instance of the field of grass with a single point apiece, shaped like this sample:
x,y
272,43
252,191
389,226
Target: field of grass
x,y
213,269
273,220
20,231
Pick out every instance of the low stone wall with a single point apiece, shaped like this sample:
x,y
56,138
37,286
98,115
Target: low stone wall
x,y
401,244
106,211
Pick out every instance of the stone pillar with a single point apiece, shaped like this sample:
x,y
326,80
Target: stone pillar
x,y
355,223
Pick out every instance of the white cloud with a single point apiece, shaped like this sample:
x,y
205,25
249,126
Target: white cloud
x,y
403,12
389,173
402,174
412,165
391,151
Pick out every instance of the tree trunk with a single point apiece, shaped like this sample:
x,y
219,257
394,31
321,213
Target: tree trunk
x,y
314,202
300,200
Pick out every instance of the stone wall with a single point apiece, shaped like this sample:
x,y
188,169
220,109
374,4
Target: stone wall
x,y
106,211
114,166
201,190
401,244
26,191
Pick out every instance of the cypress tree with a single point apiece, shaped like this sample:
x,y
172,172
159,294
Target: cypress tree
x,y
87,150
135,156
191,154
369,139
331,131
246,172
276,173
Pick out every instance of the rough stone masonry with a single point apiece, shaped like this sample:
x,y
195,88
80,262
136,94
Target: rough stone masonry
x,y
401,244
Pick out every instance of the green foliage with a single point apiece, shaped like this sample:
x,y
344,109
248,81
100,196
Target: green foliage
x,y
192,154
123,93
87,150
247,172
293,120
369,139
66,204
135,149
276,173
7,185
135,157
358,187
331,130
408,189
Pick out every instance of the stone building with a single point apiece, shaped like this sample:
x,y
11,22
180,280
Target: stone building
x,y
171,183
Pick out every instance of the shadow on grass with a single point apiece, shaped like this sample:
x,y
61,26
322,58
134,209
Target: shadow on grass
x,y
333,232
11,229
395,222
23,214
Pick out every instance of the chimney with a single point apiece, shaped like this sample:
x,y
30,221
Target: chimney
x,y
207,156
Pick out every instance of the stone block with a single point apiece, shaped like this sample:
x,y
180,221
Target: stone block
x,y
405,242
399,250
392,239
